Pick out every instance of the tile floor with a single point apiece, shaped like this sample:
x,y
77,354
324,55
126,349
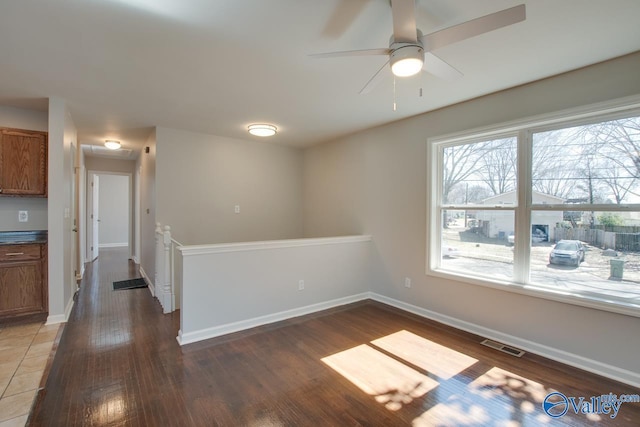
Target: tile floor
x,y
24,350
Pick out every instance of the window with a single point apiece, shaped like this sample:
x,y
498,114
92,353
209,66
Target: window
x,y
549,207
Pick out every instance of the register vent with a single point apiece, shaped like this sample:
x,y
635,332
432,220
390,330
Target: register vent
x,y
503,348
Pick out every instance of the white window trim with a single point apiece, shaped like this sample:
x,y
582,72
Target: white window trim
x,y
524,128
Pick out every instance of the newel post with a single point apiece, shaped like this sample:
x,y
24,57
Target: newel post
x,y
167,292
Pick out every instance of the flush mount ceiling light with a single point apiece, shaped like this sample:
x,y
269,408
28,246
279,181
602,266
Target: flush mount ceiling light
x,y
112,144
407,61
262,129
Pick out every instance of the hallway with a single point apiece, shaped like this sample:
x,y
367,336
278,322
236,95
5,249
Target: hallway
x,y
114,362
118,364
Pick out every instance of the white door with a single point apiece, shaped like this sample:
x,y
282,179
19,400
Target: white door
x,y
75,248
95,218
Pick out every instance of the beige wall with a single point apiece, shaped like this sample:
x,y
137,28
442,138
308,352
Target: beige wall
x,y
102,164
62,285
146,165
36,206
201,178
116,167
374,182
20,118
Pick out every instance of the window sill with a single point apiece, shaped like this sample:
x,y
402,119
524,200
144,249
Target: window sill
x,y
598,302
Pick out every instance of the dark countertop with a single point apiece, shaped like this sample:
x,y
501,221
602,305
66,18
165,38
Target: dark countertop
x,y
22,237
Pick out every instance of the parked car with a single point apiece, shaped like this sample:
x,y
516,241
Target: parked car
x,y
449,251
535,238
567,252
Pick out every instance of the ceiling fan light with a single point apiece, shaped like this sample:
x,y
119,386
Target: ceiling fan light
x,y
262,130
112,144
407,61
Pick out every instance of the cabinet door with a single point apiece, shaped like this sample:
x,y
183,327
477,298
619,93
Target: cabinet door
x,y
21,287
23,163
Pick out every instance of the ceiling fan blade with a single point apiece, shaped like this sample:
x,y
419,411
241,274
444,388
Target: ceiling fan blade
x,y
364,52
404,21
343,15
373,81
474,27
439,68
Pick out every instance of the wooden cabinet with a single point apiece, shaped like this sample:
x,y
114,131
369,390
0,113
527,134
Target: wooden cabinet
x,y
23,280
23,163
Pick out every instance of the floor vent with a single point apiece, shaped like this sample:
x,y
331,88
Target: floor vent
x,y
503,348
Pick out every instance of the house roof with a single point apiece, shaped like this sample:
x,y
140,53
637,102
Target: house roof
x,y
124,66
511,195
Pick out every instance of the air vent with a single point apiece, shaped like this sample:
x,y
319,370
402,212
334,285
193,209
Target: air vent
x,y
503,348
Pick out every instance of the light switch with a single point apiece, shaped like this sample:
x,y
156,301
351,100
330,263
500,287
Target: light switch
x,y
236,209
23,216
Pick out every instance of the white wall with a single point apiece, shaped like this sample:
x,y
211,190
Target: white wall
x,y
227,288
114,202
146,165
62,285
201,178
374,182
36,206
117,167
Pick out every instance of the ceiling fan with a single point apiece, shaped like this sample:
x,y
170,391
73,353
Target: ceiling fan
x,y
409,51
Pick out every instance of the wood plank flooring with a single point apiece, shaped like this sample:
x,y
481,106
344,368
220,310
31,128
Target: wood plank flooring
x,y
367,364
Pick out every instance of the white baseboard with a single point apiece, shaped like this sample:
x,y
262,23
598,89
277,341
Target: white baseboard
x,y
150,284
61,318
67,311
599,368
135,259
581,362
55,319
113,245
216,331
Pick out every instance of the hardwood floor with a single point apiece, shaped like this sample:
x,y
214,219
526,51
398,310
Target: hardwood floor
x,y
118,363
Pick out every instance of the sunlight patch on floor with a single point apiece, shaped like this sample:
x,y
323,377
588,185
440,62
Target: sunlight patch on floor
x,y
428,355
498,397
392,383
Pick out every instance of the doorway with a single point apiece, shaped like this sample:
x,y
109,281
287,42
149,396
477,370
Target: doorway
x,y
109,212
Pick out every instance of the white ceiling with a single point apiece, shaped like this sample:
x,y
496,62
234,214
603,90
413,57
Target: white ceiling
x,y
124,66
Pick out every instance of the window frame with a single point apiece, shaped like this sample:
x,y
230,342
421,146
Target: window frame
x,y
523,130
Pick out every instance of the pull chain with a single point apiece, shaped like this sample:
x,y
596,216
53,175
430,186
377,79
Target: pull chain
x,y
394,94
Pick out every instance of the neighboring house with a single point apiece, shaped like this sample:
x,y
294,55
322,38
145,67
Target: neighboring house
x,y
499,224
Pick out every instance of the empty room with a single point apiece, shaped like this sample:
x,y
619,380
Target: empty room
x,y
347,212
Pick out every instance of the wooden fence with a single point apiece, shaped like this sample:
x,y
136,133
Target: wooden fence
x,y
611,239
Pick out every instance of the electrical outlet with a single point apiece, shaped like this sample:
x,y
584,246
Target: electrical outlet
x,y
236,209
407,282
23,216
300,285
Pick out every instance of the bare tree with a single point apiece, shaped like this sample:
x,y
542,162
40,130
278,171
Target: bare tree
x,y
498,165
551,173
619,185
616,146
469,193
622,138
460,162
